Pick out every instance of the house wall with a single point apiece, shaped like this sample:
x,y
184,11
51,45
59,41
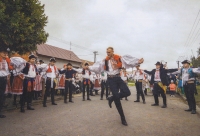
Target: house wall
x,y
59,62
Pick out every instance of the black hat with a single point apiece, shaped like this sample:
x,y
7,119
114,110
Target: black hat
x,y
186,61
158,63
69,64
52,59
86,64
41,61
31,56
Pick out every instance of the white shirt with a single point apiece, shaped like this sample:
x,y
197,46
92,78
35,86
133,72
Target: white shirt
x,y
157,76
112,70
138,75
4,72
31,72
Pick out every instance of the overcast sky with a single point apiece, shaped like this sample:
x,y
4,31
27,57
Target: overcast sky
x,y
153,29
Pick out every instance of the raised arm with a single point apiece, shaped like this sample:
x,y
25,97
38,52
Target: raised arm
x,y
171,70
129,61
148,72
97,67
78,70
196,70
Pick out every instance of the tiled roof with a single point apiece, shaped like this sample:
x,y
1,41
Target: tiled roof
x,y
89,62
52,51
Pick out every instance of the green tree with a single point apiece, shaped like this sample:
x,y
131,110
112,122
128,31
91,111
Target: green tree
x,y
22,25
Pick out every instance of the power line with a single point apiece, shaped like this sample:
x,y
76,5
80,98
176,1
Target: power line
x,y
191,32
192,28
69,43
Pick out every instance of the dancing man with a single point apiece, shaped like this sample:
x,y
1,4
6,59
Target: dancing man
x,y
112,65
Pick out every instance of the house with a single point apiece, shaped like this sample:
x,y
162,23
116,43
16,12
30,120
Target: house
x,y
86,61
63,56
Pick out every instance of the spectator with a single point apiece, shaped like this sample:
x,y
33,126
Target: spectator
x,y
172,88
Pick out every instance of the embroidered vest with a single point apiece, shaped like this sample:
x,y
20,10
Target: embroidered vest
x,y
117,58
49,69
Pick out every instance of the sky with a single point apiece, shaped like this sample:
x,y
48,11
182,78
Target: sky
x,y
151,29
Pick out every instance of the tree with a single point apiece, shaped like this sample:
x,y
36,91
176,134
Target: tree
x,y
22,25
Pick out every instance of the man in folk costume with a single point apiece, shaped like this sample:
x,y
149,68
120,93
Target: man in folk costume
x,y
112,65
86,81
188,82
69,78
159,82
124,77
139,77
51,73
29,72
5,66
104,84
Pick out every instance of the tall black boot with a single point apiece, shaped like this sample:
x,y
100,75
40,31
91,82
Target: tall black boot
x,y
29,107
15,98
22,109
36,95
138,97
121,113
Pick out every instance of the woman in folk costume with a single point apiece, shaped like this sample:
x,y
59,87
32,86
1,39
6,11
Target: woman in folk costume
x,y
97,86
29,72
61,84
124,77
86,73
5,66
38,84
52,74
17,85
112,65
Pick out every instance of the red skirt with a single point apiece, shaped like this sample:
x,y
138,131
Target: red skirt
x,y
17,86
97,85
38,83
61,84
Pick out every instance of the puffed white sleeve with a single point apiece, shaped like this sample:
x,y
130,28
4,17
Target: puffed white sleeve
x,y
42,67
18,61
196,70
129,61
97,67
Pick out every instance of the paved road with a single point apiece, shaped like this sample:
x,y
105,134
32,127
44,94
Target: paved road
x,y
95,118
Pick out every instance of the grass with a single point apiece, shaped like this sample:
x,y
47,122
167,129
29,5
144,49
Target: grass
x,y
131,83
197,97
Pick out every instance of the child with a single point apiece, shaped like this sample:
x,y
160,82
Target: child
x,y
172,88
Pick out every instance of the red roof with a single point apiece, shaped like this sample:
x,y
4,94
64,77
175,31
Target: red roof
x,y
52,51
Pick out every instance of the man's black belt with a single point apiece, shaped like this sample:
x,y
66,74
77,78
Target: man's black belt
x,y
156,82
111,76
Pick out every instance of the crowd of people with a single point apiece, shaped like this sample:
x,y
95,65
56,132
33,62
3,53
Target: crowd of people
x,y
33,79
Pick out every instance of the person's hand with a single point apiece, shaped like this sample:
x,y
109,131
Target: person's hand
x,y
140,61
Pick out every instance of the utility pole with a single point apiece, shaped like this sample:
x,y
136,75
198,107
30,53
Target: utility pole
x,y
95,54
178,63
70,52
